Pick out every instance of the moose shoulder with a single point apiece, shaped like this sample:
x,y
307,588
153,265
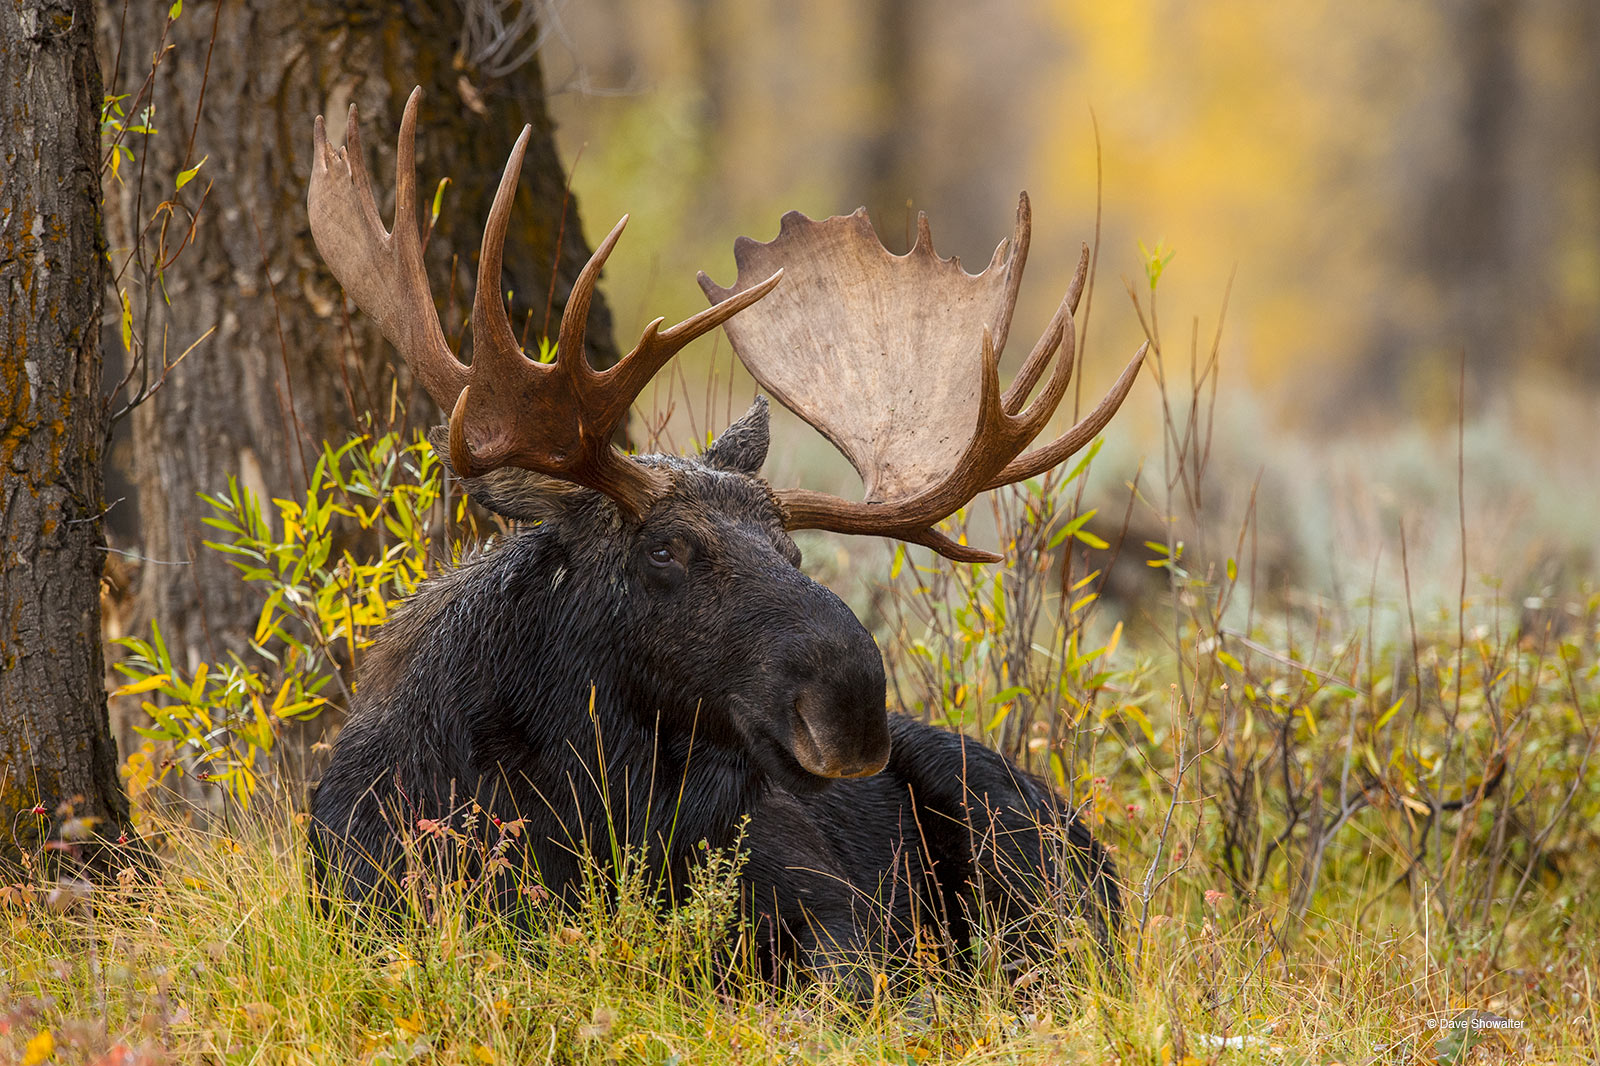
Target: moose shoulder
x,y
642,662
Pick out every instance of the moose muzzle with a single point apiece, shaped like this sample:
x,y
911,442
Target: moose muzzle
x,y
824,748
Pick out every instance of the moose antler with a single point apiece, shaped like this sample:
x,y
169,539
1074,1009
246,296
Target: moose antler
x,y
505,409
875,351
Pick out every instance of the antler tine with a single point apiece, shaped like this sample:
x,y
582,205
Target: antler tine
x,y
1036,462
1030,422
575,317
381,269
623,382
950,549
495,352
494,344
1060,322
1014,252
405,170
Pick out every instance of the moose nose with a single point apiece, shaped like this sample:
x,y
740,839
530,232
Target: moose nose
x,y
825,745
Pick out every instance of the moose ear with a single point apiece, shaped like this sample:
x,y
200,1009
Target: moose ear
x,y
742,448
510,491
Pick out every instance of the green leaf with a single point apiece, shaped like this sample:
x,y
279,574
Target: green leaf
x,y
1071,528
1091,540
163,660
1155,261
1088,457
172,14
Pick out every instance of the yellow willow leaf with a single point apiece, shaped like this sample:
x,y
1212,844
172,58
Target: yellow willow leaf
x,y
292,709
1383,719
127,308
438,200
154,681
269,616
1111,645
186,176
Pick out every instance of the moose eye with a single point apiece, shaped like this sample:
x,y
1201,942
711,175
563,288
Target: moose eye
x,y
665,570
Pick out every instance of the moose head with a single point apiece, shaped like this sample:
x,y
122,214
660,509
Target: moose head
x,y
710,620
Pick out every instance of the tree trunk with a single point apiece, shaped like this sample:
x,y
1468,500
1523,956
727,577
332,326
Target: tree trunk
x,y
58,767
284,369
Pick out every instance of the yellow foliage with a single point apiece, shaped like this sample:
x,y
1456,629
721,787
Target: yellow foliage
x,y
145,684
40,1048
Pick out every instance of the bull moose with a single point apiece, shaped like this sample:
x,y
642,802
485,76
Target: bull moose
x,y
643,662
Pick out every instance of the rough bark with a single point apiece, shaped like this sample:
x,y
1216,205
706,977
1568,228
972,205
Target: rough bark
x,y
55,747
285,368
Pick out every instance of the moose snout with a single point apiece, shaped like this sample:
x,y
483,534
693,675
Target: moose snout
x,y
826,696
828,747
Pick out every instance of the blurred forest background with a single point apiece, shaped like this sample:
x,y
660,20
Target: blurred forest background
x,y
1391,188
1394,185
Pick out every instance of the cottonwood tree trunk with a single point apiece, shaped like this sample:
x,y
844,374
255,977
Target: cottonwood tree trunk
x,y
55,746
285,368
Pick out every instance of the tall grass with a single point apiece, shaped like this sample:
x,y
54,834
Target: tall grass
x,y
224,958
